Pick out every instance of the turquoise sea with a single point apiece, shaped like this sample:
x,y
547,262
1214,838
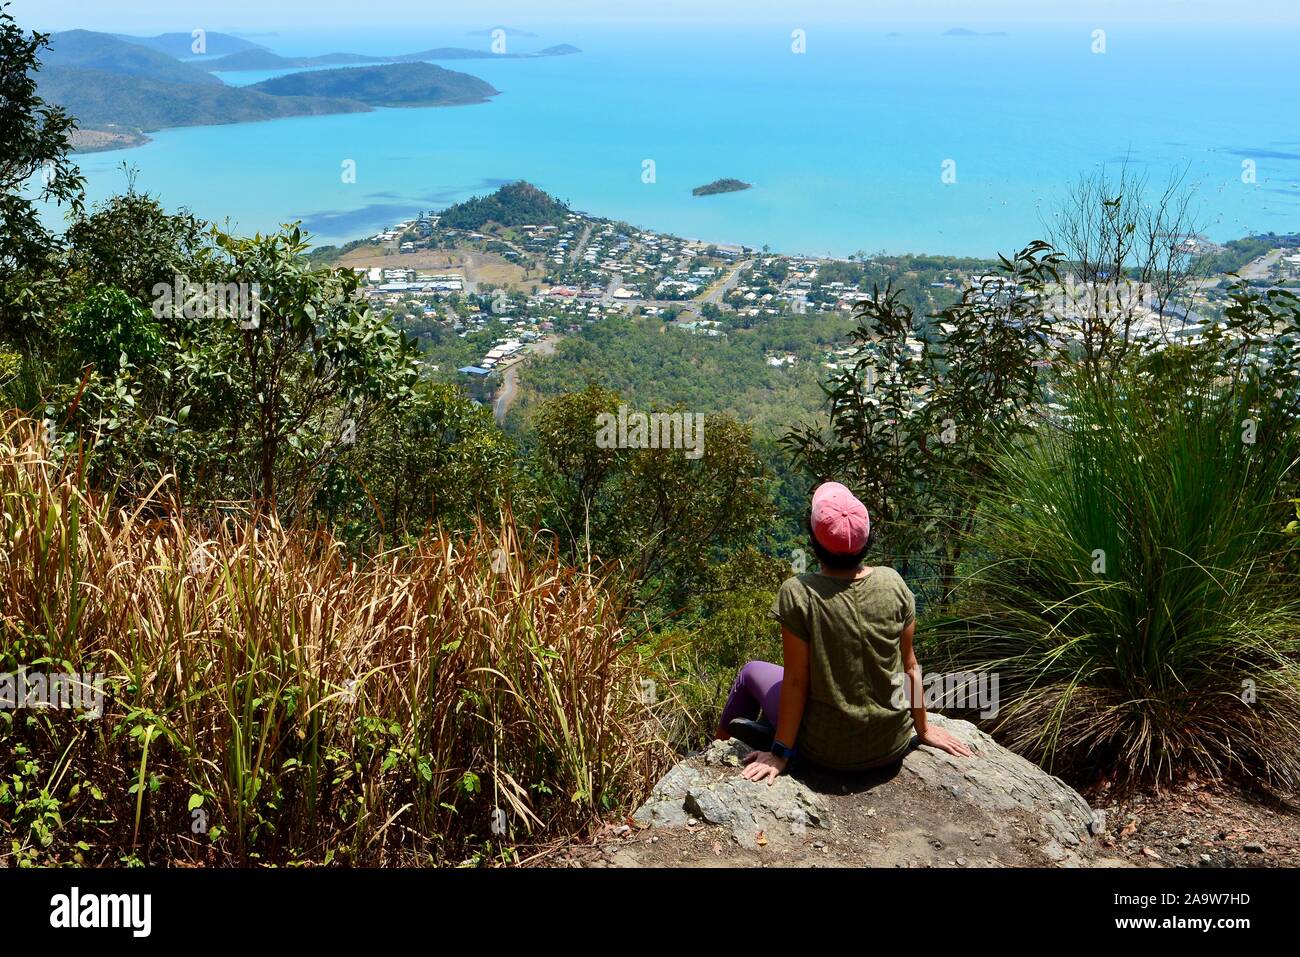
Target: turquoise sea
x,y
845,144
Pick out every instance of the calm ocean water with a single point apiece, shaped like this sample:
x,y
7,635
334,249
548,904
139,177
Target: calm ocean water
x,y
845,144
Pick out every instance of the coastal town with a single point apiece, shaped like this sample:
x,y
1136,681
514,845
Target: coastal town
x,y
508,292
540,281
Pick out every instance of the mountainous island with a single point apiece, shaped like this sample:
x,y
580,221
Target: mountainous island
x,y
397,84
181,45
119,87
727,185
103,100
262,59
84,49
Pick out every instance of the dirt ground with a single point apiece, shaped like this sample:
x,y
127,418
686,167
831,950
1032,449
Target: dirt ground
x,y
941,831
477,267
1201,825
94,141
1194,825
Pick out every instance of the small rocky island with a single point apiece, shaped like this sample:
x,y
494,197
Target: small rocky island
x,y
720,186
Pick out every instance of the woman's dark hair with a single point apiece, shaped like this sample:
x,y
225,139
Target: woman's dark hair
x,y
839,563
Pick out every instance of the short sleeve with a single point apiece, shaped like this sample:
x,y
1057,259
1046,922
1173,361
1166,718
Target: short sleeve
x,y
789,608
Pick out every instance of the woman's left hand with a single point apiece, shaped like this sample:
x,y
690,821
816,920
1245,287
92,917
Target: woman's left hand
x,y
763,765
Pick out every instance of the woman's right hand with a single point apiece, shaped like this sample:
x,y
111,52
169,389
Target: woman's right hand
x,y
763,766
941,739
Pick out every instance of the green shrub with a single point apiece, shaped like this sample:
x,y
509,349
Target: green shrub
x,y
1128,583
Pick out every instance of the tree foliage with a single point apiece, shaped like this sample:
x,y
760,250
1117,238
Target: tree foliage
x,y
34,143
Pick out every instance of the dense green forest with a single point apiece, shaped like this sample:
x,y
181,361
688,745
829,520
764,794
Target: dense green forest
x,y
653,363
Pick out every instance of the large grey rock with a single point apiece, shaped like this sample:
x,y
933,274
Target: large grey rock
x,y
748,810
932,809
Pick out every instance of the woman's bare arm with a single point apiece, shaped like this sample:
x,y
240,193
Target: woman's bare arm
x,y
934,737
794,696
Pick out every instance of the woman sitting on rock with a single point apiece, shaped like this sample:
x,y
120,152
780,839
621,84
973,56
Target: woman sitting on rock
x,y
847,635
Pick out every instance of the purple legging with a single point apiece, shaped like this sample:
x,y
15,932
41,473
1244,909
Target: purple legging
x,y
757,687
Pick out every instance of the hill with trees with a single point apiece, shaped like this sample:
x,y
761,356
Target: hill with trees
x,y
86,49
99,99
181,45
515,204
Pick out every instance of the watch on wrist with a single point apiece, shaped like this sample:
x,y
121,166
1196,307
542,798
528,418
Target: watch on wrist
x,y
782,751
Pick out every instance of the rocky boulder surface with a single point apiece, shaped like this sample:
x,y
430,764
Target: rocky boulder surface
x,y
994,809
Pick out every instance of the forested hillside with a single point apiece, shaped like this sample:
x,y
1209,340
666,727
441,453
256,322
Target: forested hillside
x,y
516,204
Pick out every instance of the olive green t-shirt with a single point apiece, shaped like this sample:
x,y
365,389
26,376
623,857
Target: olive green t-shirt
x,y
853,629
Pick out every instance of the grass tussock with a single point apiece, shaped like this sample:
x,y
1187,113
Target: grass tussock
x,y
268,700
1132,584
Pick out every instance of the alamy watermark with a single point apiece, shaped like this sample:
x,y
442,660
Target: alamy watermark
x,y
61,691
651,430
133,912
957,690
212,300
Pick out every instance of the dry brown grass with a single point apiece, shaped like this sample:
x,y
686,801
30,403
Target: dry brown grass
x,y
479,267
302,707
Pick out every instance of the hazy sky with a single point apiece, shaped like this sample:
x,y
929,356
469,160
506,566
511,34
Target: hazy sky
x,y
253,15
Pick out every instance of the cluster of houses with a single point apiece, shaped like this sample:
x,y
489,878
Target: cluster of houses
x,y
421,228
638,264
593,268
847,357
1289,267
700,327
379,281
762,295
502,353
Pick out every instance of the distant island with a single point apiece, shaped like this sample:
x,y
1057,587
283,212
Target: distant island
x,y
87,50
119,88
963,32
488,31
181,45
125,105
261,59
397,84
721,186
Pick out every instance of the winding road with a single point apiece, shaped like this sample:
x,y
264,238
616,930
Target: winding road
x,y
510,381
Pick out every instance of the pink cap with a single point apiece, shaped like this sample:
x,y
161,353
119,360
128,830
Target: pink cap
x,y
840,522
